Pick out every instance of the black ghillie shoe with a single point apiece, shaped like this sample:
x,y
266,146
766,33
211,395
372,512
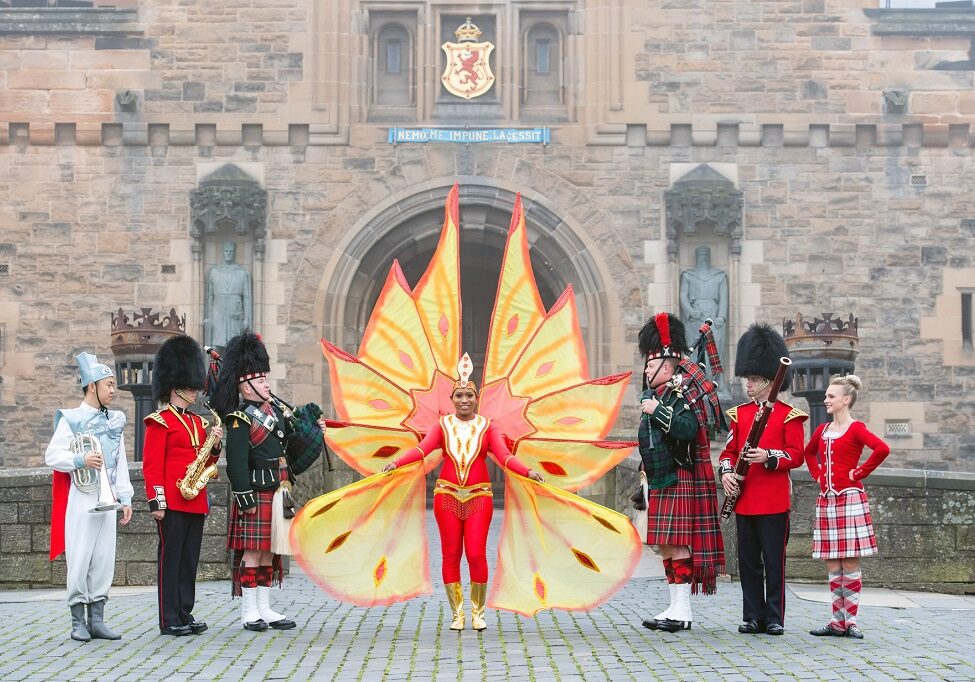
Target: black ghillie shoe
x,y
670,625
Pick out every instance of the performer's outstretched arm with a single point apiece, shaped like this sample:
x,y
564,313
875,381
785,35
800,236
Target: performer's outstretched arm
x,y
432,441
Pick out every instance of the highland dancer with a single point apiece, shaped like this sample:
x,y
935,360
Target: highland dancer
x,y
844,529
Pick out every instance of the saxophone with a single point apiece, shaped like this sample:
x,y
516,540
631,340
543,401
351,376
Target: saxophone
x,y
199,472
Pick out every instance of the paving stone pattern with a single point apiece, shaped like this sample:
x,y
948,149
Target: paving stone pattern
x,y
411,641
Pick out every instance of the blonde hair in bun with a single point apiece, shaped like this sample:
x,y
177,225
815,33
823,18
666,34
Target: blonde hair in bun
x,y
850,385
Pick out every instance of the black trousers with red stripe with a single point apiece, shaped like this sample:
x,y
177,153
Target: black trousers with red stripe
x,y
761,565
178,555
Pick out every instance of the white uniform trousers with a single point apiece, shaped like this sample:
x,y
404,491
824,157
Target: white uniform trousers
x,y
89,548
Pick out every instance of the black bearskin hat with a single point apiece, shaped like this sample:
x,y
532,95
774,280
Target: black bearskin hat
x,y
759,350
663,336
179,363
245,358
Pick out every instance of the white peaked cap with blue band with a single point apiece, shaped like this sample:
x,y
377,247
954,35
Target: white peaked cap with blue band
x,y
91,370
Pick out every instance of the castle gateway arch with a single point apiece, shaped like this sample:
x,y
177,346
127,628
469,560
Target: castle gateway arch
x,y
408,227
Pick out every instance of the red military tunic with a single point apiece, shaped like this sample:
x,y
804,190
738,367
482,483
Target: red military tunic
x,y
767,488
171,443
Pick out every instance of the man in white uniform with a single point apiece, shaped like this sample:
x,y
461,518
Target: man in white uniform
x,y
87,537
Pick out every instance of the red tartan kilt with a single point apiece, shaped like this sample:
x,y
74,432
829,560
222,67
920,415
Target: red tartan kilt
x,y
844,527
251,531
670,512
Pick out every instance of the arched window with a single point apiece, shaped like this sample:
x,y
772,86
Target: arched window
x,y
393,67
542,84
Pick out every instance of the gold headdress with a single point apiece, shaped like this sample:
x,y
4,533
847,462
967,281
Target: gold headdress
x,y
464,370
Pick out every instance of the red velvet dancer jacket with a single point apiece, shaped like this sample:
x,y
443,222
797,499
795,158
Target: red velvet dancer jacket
x,y
830,460
767,488
466,446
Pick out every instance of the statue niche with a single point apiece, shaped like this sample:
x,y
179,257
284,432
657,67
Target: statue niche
x,y
704,213
228,214
229,301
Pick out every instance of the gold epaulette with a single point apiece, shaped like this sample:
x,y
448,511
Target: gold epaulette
x,y
794,413
234,416
732,413
156,417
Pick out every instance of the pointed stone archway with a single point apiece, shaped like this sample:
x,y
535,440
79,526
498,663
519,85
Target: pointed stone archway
x,y
409,229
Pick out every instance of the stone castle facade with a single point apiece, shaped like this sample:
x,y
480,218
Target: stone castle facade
x,y
822,149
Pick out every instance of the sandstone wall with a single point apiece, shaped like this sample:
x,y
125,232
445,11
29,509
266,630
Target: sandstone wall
x,y
110,118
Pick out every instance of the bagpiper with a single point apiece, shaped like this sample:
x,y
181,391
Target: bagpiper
x,y
678,406
265,452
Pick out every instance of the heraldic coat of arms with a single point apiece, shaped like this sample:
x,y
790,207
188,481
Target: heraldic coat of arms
x,y
468,73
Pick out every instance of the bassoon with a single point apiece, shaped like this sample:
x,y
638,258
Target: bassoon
x,y
755,435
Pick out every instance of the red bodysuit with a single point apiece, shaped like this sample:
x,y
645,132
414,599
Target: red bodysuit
x,y
462,502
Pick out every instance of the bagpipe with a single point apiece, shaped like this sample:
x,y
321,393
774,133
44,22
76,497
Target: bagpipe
x,y
307,442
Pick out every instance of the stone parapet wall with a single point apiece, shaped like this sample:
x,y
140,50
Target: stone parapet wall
x,y
25,532
925,526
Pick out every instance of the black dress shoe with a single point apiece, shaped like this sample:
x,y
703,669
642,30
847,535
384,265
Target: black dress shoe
x,y
854,632
198,627
671,625
651,623
176,630
283,624
827,631
749,627
774,629
256,625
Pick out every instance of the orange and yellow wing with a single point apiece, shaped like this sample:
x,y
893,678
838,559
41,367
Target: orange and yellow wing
x,y
366,543
559,551
518,309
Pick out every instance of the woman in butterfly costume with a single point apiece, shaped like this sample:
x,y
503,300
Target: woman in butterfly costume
x,y
538,413
463,503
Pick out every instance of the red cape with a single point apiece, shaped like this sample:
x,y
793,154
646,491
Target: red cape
x,y
60,485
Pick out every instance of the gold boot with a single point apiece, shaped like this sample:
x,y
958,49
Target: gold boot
x,y
478,601
455,597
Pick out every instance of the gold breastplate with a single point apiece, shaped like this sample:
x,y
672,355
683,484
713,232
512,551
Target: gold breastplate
x,y
462,441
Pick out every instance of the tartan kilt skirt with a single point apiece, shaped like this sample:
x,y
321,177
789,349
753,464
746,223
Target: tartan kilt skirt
x,y
843,526
670,512
251,531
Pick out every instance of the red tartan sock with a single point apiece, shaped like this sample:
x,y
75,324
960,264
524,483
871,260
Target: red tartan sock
x,y
838,621
669,570
683,571
248,577
852,584
264,576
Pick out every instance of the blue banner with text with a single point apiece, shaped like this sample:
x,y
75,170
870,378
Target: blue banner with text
x,y
470,136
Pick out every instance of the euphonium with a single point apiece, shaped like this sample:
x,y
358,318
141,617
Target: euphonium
x,y
92,479
199,472
85,478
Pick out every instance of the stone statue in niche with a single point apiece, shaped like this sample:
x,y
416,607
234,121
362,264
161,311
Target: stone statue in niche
x,y
228,299
703,295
